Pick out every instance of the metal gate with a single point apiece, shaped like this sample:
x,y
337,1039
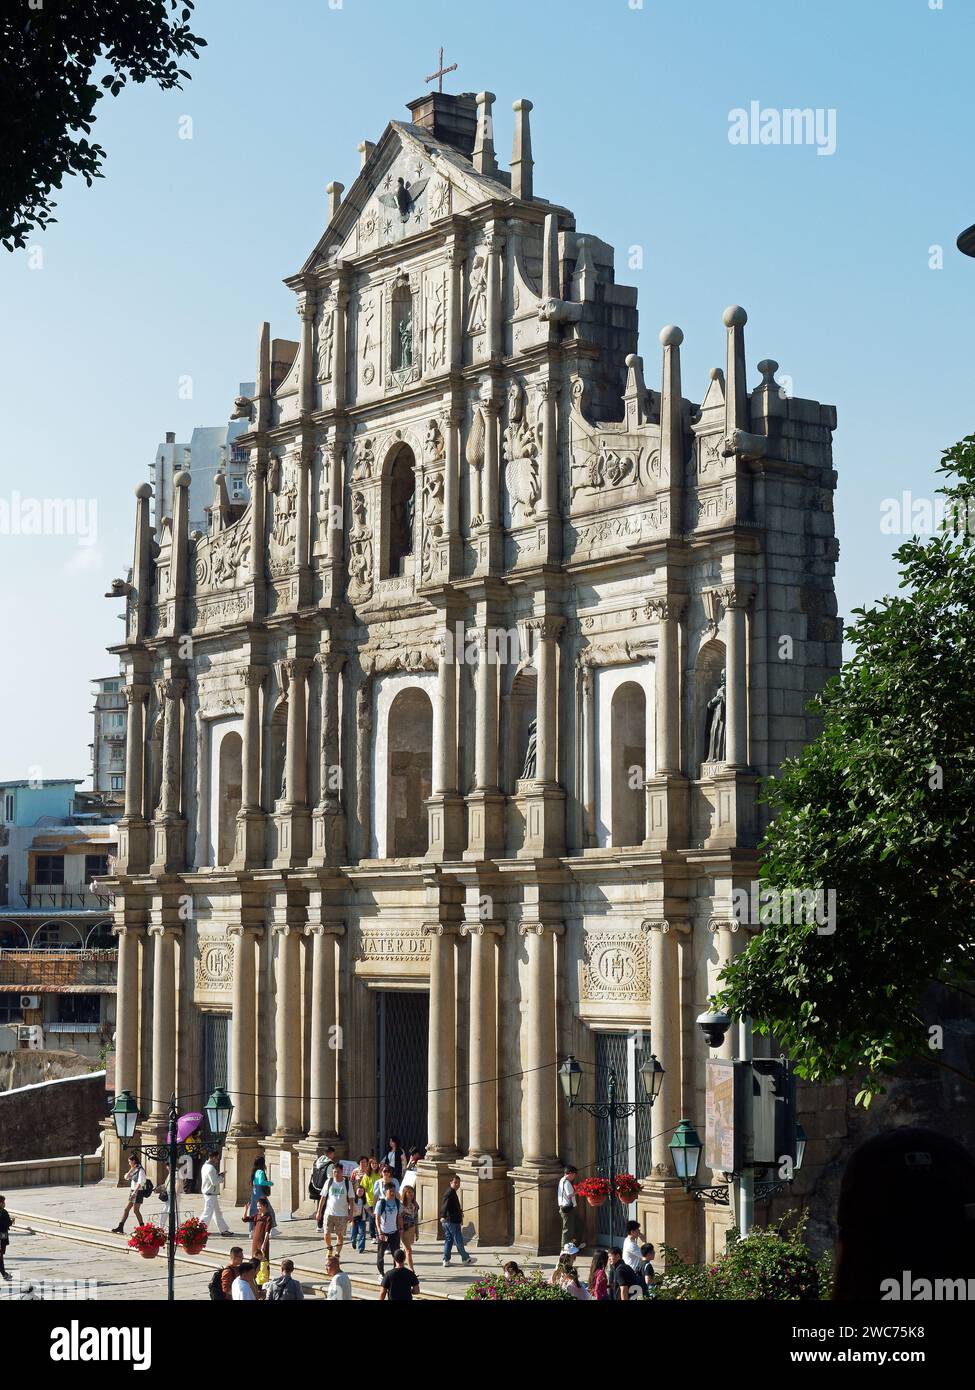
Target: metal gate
x,y
622,1053
402,1032
216,1051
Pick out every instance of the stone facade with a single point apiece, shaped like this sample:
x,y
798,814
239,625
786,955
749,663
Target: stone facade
x,y
458,771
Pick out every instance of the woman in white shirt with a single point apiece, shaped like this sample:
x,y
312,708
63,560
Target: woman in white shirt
x,y
136,1178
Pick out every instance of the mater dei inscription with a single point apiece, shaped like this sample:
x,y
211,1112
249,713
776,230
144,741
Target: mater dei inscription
x,y
393,946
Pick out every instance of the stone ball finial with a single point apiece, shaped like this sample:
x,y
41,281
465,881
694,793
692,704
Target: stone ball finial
x,y
671,336
182,479
734,316
768,368
143,491
633,360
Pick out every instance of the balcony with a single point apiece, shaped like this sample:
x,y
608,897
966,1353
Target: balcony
x,y
47,968
77,896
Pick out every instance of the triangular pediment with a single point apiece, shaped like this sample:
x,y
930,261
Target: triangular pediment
x,y
409,182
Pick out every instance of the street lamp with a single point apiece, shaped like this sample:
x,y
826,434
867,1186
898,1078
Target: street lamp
x,y
125,1114
685,1151
611,1109
800,1147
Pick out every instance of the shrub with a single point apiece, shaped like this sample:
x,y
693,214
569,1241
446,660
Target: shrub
x,y
770,1264
533,1287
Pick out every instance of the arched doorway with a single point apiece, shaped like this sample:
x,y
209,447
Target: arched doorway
x,y
409,771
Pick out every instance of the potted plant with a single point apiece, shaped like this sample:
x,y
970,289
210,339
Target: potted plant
x,y
148,1239
192,1235
595,1190
627,1188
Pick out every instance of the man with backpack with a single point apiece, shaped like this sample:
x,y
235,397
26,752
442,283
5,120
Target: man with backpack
x,y
318,1178
139,1189
335,1208
285,1288
222,1280
389,1226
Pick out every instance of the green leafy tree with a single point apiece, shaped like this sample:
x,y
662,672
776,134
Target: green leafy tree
x,y
48,52
879,808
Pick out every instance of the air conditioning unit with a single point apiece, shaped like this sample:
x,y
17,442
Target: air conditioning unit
x,y
30,1001
30,1035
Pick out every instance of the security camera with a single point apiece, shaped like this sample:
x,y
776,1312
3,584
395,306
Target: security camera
x,y
714,1025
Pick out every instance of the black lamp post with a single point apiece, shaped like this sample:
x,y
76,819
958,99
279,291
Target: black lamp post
x,y
125,1114
611,1109
685,1152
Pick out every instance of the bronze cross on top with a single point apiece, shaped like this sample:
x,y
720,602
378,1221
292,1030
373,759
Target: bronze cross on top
x,y
439,74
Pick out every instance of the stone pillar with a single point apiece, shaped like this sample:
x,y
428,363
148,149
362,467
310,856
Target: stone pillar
x,y
451,484
243,1141
485,804
339,351
163,1020
491,485
736,601
542,799
257,485
329,817
588,690
667,790
133,856
485,1190
493,296
549,477
442,1060
302,518
363,764
251,848
323,1076
306,390
169,830
336,466
445,808
282,1157
293,820
725,931
127,1009
536,1177
456,256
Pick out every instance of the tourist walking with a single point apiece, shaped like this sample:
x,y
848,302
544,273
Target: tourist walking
x,y
389,1226
411,1220
400,1284
210,1178
409,1172
139,1189
568,1204
260,1187
360,1217
631,1246
340,1286
598,1279
285,1287
222,1281
452,1220
6,1221
370,1179
395,1157
320,1174
335,1207
622,1279
261,1228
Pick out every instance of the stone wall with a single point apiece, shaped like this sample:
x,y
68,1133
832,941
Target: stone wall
x,y
52,1120
28,1066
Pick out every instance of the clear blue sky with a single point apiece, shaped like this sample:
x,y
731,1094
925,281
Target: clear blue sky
x,y
164,268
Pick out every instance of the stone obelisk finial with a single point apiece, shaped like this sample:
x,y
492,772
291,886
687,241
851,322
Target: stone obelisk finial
x,y
522,163
484,158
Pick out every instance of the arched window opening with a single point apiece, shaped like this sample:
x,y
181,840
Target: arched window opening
x,y
229,795
409,773
629,759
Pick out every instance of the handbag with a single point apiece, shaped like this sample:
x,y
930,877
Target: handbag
x,y
264,1273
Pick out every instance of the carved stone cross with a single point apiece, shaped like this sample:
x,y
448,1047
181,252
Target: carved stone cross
x,y
441,70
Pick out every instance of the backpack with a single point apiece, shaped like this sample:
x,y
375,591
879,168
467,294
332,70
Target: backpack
x,y
216,1288
147,1188
316,1186
384,1202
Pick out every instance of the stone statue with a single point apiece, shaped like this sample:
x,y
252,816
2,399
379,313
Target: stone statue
x,y
530,770
714,728
406,339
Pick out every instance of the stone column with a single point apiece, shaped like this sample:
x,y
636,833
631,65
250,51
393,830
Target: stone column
x,y
287,1041
482,1104
243,1062
133,848
445,808
127,1009
668,690
588,685
665,1038
456,256
306,313
549,478
726,934
549,632
486,712
451,480
250,848
667,790
736,601
442,1059
336,466
163,1020
539,1117
329,819
339,351
169,831
491,499
293,821
323,1073
363,765
302,523
493,296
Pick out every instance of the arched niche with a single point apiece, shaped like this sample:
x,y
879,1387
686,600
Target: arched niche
x,y
707,678
628,772
230,776
520,712
399,513
409,773
277,754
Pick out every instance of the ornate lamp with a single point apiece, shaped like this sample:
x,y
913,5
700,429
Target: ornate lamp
x,y
219,1109
685,1151
570,1075
652,1074
125,1115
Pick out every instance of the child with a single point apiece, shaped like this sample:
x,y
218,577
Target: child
x,y
6,1221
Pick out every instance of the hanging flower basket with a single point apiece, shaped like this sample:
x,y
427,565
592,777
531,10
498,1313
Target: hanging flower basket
x,y
595,1190
148,1239
628,1188
192,1235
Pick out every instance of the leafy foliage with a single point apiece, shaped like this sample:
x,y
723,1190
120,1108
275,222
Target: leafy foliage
x,y
880,808
533,1287
770,1265
47,58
